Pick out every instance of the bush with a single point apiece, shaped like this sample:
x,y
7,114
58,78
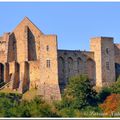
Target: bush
x,y
101,96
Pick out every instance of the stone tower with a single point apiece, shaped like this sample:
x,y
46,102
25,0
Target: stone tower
x,y
49,87
103,49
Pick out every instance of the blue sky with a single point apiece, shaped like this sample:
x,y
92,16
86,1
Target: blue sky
x,y
74,23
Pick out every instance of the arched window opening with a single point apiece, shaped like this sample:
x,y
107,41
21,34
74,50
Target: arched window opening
x,y
90,68
79,65
61,73
70,66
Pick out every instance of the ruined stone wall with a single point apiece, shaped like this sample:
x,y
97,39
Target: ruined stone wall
x,y
12,52
103,49
3,47
71,63
24,42
34,73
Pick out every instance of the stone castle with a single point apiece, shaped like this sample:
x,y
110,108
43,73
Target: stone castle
x,y
29,59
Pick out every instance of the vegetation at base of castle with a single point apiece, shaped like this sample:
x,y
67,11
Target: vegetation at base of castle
x,y
79,93
11,105
79,99
82,100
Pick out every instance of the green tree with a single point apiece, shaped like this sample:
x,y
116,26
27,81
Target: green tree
x,y
79,93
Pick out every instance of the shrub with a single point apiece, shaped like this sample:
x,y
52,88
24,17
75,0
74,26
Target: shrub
x,y
101,96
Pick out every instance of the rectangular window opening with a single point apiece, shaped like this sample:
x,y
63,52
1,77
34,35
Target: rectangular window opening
x,y
48,63
107,66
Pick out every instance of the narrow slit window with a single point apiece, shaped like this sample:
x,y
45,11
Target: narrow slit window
x,y
47,47
107,50
107,66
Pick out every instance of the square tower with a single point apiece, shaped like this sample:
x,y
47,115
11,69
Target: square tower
x,y
103,49
49,87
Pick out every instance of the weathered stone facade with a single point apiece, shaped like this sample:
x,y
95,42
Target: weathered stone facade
x,y
30,59
23,56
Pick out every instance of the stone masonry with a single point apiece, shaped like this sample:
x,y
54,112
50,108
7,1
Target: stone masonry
x,y
29,59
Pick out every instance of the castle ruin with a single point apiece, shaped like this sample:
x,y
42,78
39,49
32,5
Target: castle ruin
x,y
30,59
